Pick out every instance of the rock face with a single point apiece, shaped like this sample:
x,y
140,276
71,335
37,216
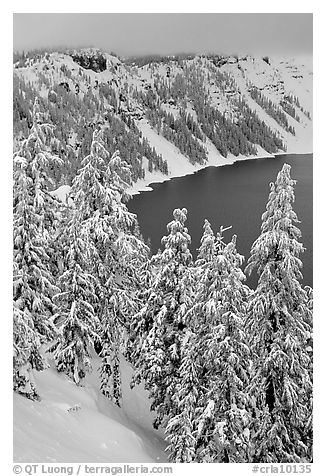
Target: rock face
x,y
90,59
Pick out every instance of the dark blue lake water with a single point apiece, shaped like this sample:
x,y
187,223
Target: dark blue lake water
x,y
231,195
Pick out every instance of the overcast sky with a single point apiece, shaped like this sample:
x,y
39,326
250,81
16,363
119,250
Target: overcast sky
x,y
168,33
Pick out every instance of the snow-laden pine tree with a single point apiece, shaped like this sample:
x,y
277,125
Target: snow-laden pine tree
x,y
219,413
34,222
37,150
76,319
26,344
223,425
279,329
160,324
115,251
180,428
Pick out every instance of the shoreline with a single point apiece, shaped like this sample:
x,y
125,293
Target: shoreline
x,y
144,185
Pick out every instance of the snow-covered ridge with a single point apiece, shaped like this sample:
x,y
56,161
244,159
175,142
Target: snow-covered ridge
x,y
276,78
178,164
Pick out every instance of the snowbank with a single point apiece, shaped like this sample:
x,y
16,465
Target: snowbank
x,y
78,424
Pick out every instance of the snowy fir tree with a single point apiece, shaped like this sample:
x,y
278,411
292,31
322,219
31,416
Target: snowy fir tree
x,y
111,342
34,220
216,421
76,319
26,343
37,150
160,324
115,252
279,332
223,414
100,196
180,429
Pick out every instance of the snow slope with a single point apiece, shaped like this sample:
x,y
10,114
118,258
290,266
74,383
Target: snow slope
x,y
178,164
282,75
275,78
78,424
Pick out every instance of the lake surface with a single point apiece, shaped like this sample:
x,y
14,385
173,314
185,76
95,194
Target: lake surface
x,y
230,195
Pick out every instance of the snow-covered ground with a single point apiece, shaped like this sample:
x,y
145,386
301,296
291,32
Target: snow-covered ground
x,y
78,424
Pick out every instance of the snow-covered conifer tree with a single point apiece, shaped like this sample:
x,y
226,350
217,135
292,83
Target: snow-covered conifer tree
x,y
34,218
116,251
111,346
212,410
76,318
180,428
26,343
226,348
279,331
160,324
36,149
221,415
